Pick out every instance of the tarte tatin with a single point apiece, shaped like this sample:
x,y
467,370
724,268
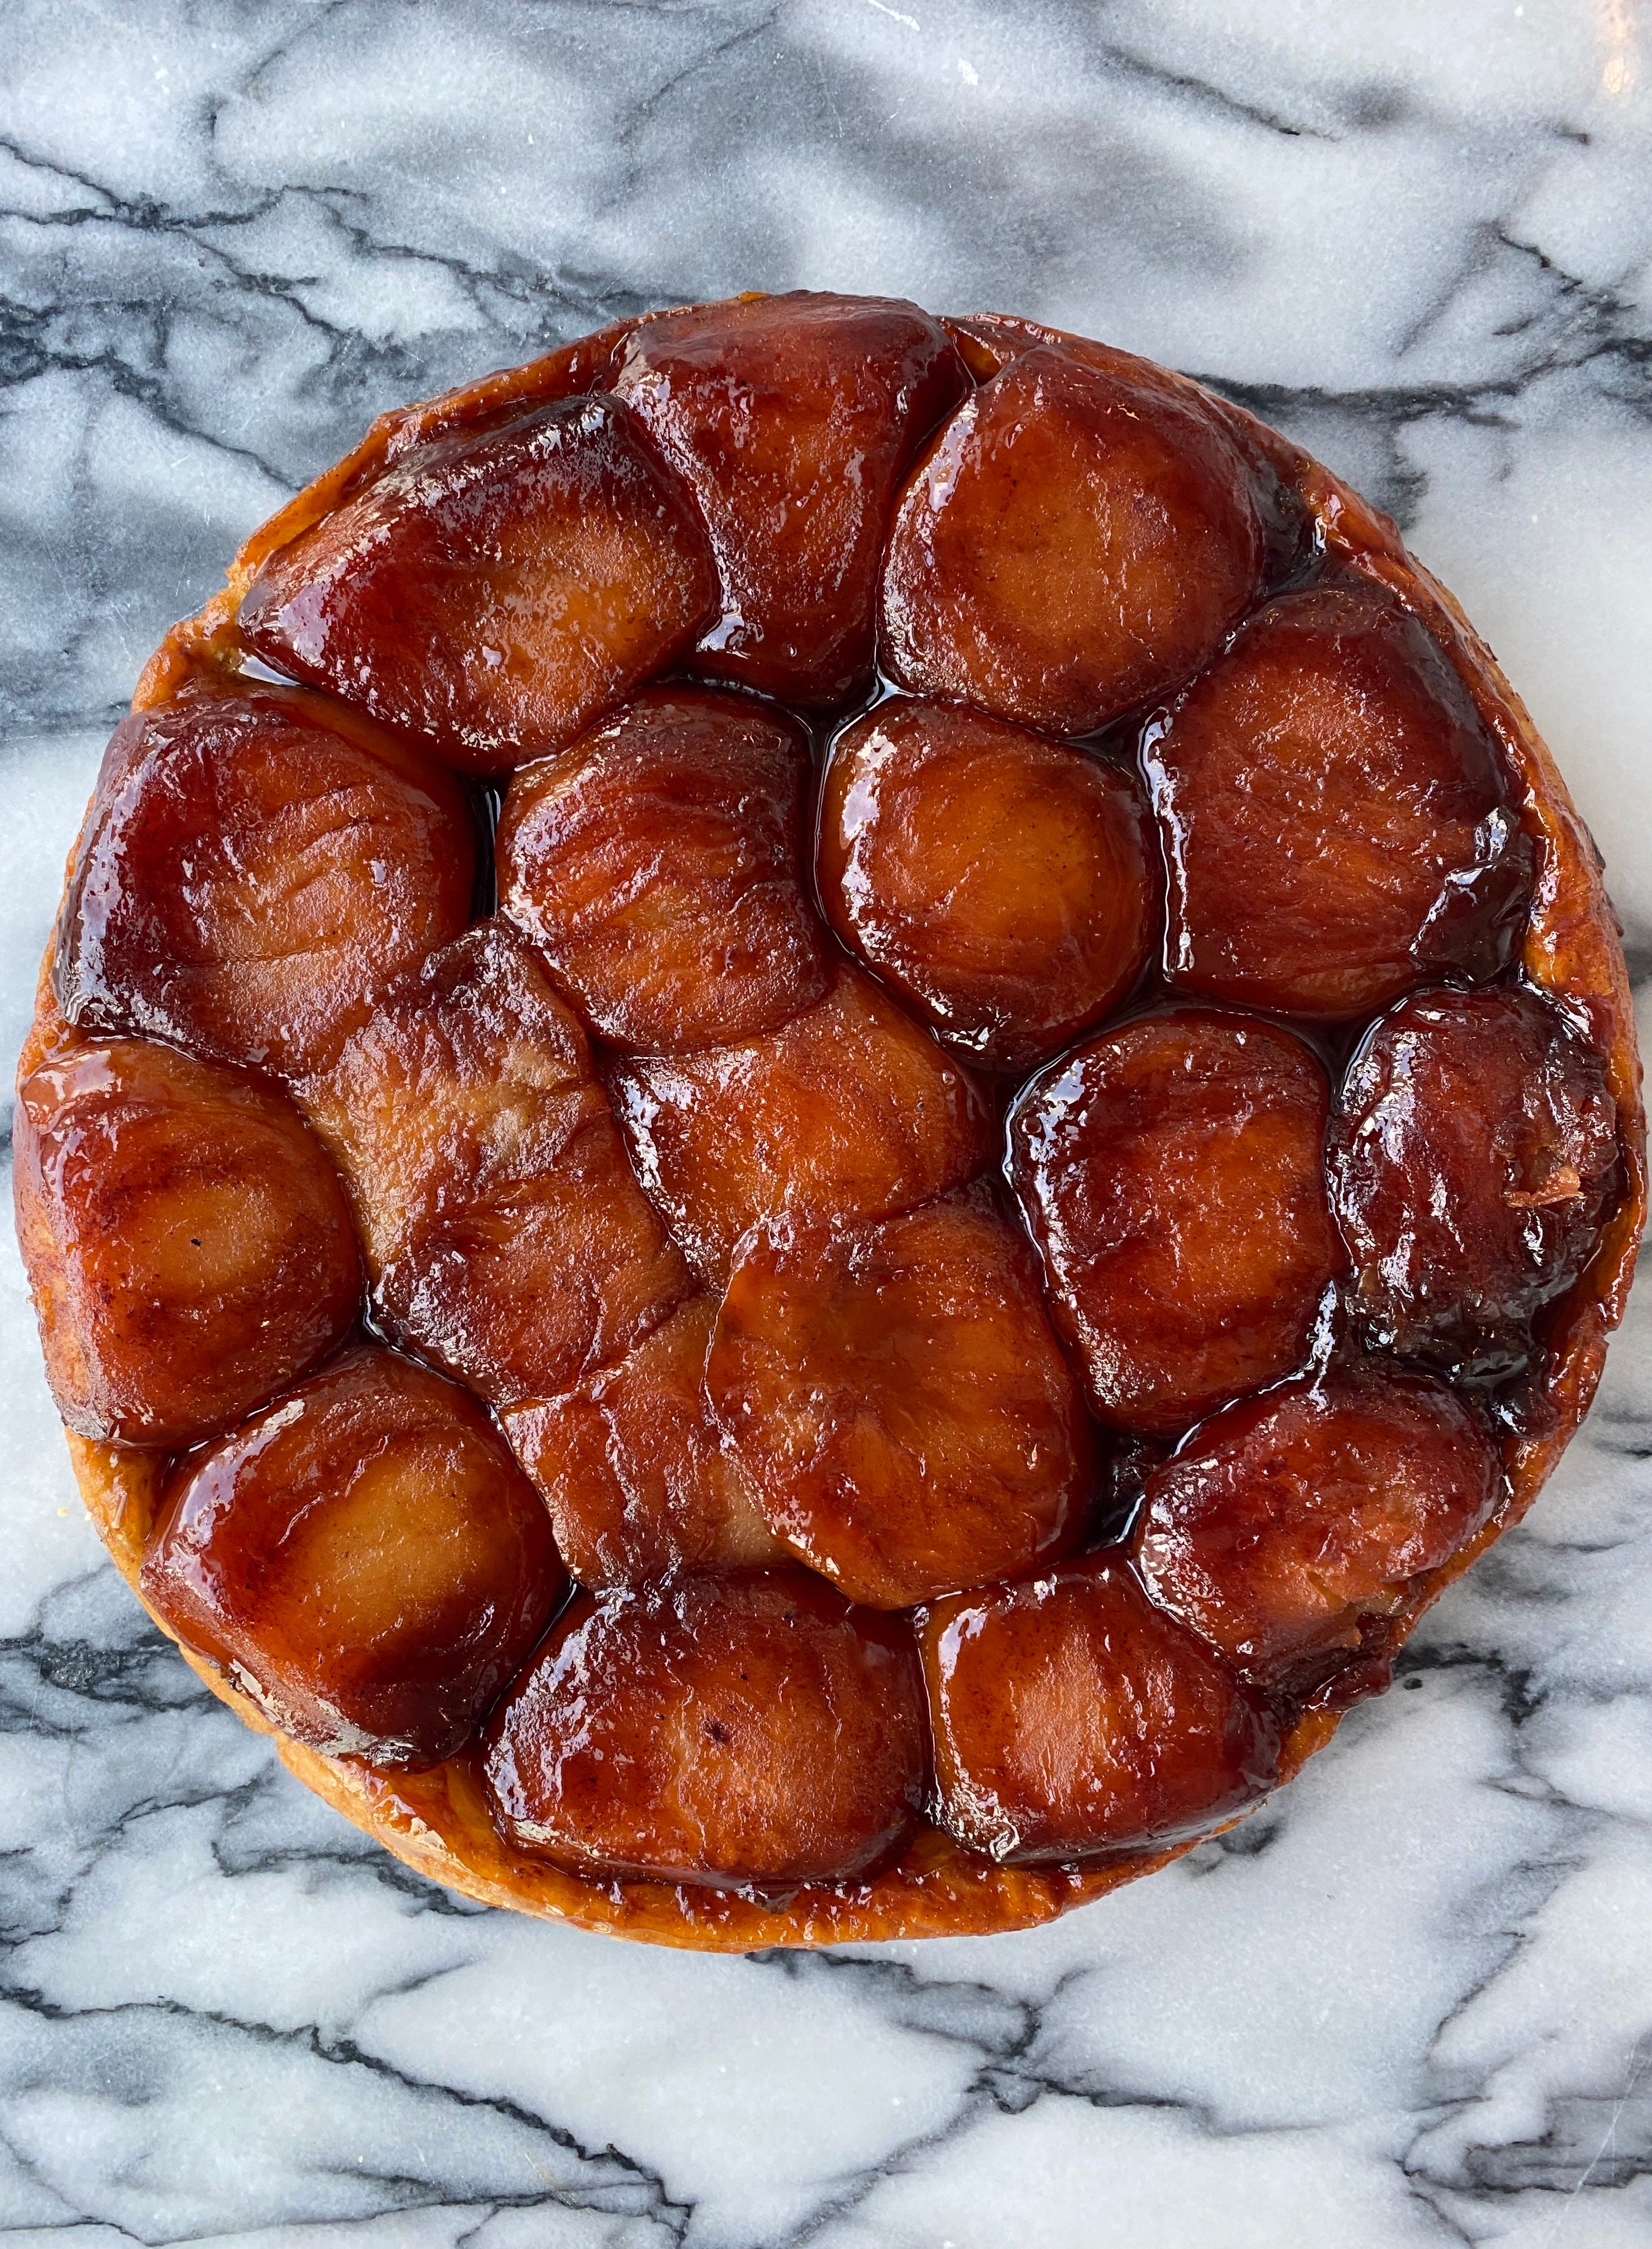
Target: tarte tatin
x,y
824,1099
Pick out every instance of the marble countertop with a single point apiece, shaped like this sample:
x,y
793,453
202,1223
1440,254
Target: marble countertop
x,y
1411,2002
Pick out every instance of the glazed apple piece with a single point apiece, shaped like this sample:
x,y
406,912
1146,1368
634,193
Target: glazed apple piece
x,y
1288,1524
748,1732
188,1243
1473,1151
365,1559
255,867
506,1235
849,1111
1335,816
895,1393
1070,544
791,418
489,593
656,863
1000,882
1171,1172
635,1470
1073,1720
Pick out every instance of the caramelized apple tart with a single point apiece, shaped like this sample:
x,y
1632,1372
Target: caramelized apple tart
x,y
824,1099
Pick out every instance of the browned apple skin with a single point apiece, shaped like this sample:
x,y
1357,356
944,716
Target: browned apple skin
x,y
748,1730
1171,1171
849,1111
1335,816
489,593
1474,1154
791,418
1070,544
1002,883
365,1557
188,1242
1288,1523
1072,1720
253,872
657,862
895,1393
506,1234
634,1469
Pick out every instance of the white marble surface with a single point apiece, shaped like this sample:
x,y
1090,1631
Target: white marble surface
x,y
1411,2004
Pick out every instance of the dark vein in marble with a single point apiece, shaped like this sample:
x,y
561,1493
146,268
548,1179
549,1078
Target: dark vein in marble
x,y
1554,2159
620,2185
1002,2035
1591,333
1121,62
641,111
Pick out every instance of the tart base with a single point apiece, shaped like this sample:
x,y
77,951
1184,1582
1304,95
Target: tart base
x,y
437,1823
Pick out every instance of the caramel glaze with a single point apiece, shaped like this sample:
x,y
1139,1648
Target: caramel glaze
x,y
1258,514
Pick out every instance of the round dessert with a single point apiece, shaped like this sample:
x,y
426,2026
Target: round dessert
x,y
824,1099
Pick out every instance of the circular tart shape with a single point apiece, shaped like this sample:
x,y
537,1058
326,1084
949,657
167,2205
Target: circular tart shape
x,y
1336,820
849,1111
255,866
187,1238
1473,1152
1073,1718
656,863
1071,544
748,1732
1289,1523
896,1396
365,1556
1000,882
646,1115
490,592
790,419
1171,1173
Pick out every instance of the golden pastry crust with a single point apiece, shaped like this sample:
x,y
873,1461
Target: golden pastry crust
x,y
438,1821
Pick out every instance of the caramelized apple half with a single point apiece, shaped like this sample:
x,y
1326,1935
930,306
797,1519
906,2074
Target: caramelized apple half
x,y
1073,1719
1336,819
364,1557
791,419
999,882
1072,543
1288,1523
895,1393
490,592
849,1111
506,1235
749,1731
1172,1173
188,1243
657,864
1475,1149
255,867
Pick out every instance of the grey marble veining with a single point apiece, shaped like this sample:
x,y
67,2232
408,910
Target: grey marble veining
x,y
1411,2002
